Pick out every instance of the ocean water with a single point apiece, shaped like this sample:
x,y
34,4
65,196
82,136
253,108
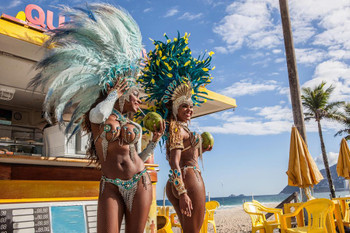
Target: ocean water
x,y
227,202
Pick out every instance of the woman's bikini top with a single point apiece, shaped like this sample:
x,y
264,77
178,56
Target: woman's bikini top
x,y
195,139
125,131
175,140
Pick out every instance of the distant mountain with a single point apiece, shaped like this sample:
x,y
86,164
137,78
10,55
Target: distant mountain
x,y
338,181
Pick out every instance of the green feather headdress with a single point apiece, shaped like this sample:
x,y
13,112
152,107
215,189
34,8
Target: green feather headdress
x,y
171,71
98,45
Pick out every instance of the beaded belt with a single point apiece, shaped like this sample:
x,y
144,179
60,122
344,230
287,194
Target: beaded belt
x,y
126,184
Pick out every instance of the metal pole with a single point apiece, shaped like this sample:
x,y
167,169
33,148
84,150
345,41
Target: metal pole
x,y
292,70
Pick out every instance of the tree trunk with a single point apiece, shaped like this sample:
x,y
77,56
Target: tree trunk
x,y
325,160
294,86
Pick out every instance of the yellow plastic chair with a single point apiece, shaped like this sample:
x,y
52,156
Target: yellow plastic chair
x,y
210,208
163,210
320,217
163,224
175,221
345,209
256,212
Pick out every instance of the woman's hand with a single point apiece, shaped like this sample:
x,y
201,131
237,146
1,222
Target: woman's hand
x,y
157,134
120,86
185,205
209,148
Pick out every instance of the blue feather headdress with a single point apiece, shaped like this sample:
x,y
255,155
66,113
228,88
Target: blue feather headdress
x,y
97,46
171,73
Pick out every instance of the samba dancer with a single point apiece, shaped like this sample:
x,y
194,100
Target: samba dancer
x,y
172,79
93,69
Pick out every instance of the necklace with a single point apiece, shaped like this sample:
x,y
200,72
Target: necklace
x,y
120,116
183,124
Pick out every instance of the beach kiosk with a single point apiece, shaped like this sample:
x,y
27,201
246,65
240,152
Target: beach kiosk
x,y
46,184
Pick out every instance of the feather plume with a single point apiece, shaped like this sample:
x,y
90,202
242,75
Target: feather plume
x,y
99,44
171,72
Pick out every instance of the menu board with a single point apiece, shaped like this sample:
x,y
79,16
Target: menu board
x,y
28,219
49,217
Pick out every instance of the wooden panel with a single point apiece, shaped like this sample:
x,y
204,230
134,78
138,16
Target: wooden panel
x,y
154,176
47,189
5,172
36,172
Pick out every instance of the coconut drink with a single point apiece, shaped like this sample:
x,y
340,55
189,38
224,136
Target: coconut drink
x,y
207,140
151,119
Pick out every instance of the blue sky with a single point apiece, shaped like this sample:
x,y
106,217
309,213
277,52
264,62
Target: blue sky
x,y
251,150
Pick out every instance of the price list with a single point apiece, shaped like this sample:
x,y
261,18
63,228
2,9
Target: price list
x,y
91,217
34,220
42,220
6,221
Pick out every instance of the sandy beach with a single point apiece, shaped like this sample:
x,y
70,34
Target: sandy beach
x,y
231,220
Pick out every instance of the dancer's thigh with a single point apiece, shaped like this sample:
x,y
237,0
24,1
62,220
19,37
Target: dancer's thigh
x,y
196,191
135,220
110,210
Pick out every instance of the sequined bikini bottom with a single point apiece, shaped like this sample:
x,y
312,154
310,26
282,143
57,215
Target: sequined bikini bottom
x,y
195,169
127,188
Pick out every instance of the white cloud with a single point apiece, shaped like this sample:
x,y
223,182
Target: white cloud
x,y
189,16
332,159
284,91
276,51
330,17
247,87
248,22
310,56
147,10
339,54
267,120
171,12
12,4
334,73
256,24
254,55
249,126
229,116
311,126
280,60
274,113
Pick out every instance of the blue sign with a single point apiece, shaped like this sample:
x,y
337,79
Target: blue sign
x,y
68,219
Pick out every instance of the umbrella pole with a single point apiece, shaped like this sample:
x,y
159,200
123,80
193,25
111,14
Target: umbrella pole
x,y
164,197
301,196
308,193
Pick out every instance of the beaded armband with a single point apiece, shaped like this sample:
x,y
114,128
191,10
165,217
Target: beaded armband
x,y
112,96
174,177
148,151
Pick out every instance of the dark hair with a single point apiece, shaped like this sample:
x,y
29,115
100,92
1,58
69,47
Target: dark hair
x,y
170,115
86,126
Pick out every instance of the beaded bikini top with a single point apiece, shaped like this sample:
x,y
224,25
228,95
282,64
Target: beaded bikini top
x,y
175,140
127,133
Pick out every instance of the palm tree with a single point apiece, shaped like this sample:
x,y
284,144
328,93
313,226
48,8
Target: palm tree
x,y
346,122
317,106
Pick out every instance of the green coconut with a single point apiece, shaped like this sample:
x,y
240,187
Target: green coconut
x,y
207,140
151,119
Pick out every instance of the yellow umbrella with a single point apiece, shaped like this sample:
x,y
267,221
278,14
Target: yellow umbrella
x,y
302,169
343,166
